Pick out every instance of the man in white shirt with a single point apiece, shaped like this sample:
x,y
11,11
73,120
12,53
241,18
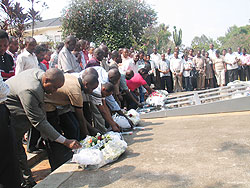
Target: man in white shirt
x,y
211,51
168,55
156,58
164,70
128,63
104,62
27,59
13,48
244,59
176,67
232,65
66,60
187,67
101,100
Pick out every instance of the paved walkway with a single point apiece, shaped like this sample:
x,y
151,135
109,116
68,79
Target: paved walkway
x,y
206,151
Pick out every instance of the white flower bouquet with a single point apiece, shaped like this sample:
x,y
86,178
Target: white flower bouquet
x,y
157,98
99,150
134,116
121,121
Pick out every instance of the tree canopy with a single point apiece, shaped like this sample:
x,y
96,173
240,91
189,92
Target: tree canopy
x,y
203,42
118,23
236,37
156,36
14,19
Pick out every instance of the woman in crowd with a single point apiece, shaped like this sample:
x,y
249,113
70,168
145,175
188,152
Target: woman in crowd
x,y
209,71
187,66
219,67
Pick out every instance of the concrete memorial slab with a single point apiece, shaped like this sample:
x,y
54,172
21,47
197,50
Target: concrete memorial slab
x,y
202,151
231,98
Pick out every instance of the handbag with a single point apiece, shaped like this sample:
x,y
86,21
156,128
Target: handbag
x,y
194,73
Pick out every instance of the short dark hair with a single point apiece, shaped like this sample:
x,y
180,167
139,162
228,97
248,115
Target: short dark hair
x,y
141,52
115,54
29,40
39,49
108,86
59,45
4,34
143,71
12,39
217,51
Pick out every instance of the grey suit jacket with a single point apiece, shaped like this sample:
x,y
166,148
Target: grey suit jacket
x,y
26,104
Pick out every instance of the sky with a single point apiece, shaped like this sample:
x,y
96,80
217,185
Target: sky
x,y
194,17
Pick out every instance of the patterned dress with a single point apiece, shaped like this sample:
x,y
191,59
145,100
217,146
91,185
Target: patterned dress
x,y
209,71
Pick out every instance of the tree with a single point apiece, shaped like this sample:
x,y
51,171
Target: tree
x,y
34,15
118,23
156,36
236,37
177,37
203,42
12,18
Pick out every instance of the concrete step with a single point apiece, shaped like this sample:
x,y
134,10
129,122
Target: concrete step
x,y
41,170
34,159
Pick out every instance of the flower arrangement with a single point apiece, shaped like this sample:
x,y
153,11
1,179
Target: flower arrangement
x,y
157,98
134,116
95,141
100,150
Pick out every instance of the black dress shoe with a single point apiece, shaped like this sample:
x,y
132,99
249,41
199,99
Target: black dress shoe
x,y
35,151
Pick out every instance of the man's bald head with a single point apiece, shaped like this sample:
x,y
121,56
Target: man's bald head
x,y
70,42
52,80
91,79
99,54
70,38
129,74
29,40
105,49
90,70
84,44
30,44
107,89
136,57
54,74
90,82
114,75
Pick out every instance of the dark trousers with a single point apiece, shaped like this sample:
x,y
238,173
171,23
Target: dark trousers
x,y
232,75
244,73
34,140
171,83
226,78
166,83
9,168
87,112
130,103
194,82
157,81
150,79
188,83
69,126
141,94
58,154
27,179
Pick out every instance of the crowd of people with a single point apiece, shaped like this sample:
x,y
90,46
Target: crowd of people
x,y
59,98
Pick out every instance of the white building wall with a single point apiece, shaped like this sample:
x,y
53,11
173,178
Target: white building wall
x,y
47,34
